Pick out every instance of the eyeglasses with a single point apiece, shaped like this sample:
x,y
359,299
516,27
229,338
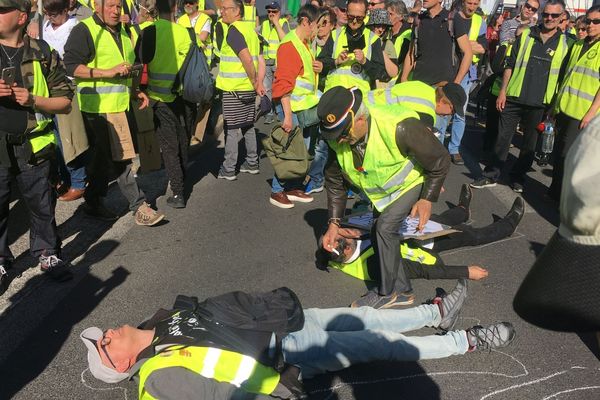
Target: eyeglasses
x,y
530,7
551,15
323,23
52,15
342,10
594,21
355,18
272,11
189,2
227,8
581,29
103,347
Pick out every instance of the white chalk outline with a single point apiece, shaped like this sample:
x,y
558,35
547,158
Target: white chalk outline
x,y
101,389
570,391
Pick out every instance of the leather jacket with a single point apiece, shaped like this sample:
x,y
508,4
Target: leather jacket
x,y
414,140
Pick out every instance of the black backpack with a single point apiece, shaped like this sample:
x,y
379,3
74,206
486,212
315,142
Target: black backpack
x,y
194,75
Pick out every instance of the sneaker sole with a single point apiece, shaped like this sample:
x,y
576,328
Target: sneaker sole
x,y
315,190
150,224
229,178
517,190
280,205
176,205
482,186
250,171
300,199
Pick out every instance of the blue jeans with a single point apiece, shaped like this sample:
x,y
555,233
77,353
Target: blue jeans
x,y
441,124
318,163
458,123
336,338
72,174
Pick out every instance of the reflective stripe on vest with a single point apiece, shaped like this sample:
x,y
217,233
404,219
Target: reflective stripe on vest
x,y
173,41
304,94
406,35
518,75
270,34
359,268
476,21
105,95
40,136
232,77
582,81
415,95
206,45
343,75
249,18
385,174
221,365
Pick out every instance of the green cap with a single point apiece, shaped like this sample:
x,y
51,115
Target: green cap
x,y
22,5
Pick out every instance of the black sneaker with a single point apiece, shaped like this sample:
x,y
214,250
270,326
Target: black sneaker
x,y
450,305
517,187
56,268
498,335
176,201
248,169
482,183
98,211
4,280
230,176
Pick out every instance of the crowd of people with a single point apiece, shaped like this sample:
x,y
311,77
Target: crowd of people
x,y
374,88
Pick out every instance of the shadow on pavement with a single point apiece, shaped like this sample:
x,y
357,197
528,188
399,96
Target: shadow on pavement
x,y
40,347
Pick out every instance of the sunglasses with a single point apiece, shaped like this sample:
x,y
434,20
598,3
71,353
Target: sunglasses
x,y
342,10
355,18
530,7
594,21
373,4
103,347
551,15
272,11
189,2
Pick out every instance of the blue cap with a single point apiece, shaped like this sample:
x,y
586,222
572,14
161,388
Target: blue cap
x,y
274,5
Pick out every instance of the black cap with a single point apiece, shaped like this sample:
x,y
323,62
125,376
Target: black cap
x,y
341,4
274,5
334,108
457,96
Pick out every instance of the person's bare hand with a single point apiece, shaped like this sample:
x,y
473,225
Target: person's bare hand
x,y
125,19
260,89
22,96
122,69
360,56
317,66
33,30
5,90
329,238
350,233
143,100
501,101
477,273
287,124
422,208
341,58
274,18
586,120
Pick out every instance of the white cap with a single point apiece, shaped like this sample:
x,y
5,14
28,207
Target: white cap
x,y
90,337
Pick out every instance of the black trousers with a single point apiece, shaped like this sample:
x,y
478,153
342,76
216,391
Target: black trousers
x,y
387,242
173,122
468,235
529,117
567,130
101,168
39,198
491,126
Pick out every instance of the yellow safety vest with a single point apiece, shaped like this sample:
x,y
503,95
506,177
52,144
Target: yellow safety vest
x,y
270,34
40,136
399,41
105,95
359,268
232,76
173,44
249,17
582,81
134,31
305,94
518,75
221,365
414,95
216,46
343,75
206,45
476,21
385,174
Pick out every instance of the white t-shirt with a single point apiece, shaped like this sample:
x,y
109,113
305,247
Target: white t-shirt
x,y
205,28
58,37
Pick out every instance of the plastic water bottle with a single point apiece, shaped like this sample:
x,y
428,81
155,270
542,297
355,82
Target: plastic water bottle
x,y
548,137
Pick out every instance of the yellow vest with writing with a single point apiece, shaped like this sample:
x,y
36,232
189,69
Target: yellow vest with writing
x,y
105,95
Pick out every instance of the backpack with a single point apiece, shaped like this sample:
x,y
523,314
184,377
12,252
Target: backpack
x,y
194,75
287,153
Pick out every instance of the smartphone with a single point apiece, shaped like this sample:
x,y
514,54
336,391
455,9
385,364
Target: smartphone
x,y
8,75
136,75
357,44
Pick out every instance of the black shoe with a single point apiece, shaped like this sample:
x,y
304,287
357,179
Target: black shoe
x,y
457,159
450,305
176,201
97,210
56,268
4,280
491,337
483,183
516,212
464,200
517,187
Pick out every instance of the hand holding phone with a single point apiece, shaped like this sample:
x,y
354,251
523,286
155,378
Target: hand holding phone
x,y
8,75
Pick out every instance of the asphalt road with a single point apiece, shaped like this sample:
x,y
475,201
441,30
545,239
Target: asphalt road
x,y
230,238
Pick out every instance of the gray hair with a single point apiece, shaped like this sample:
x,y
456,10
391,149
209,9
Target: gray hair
x,y
398,6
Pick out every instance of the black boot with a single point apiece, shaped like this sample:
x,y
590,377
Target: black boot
x,y
516,212
464,200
